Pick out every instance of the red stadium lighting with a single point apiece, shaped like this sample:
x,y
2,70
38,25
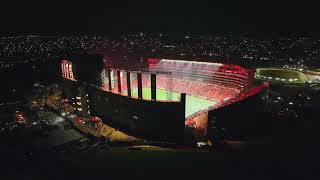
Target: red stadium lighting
x,y
152,61
66,68
207,85
95,119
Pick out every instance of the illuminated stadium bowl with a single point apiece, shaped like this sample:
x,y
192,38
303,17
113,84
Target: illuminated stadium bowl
x,y
168,94
207,85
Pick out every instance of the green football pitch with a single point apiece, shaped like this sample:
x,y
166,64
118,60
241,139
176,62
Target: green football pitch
x,y
193,103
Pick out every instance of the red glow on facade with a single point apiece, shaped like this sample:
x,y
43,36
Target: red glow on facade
x,y
20,118
80,120
66,67
95,119
153,61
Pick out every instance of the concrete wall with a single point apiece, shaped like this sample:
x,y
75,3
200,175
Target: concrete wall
x,y
243,119
148,119
87,68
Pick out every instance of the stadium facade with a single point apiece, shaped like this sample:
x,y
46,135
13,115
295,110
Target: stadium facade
x,y
161,101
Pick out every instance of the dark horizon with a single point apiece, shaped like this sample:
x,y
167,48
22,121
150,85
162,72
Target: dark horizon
x,y
263,17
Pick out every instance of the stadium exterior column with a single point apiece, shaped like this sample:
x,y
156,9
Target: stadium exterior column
x,y
139,75
183,102
153,87
62,69
109,79
129,83
119,81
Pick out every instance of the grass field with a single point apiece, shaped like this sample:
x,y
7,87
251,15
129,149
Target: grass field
x,y
193,104
281,75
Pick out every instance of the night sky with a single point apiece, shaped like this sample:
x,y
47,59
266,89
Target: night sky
x,y
118,16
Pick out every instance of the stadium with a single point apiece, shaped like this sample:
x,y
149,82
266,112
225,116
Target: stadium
x,y
285,76
172,94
